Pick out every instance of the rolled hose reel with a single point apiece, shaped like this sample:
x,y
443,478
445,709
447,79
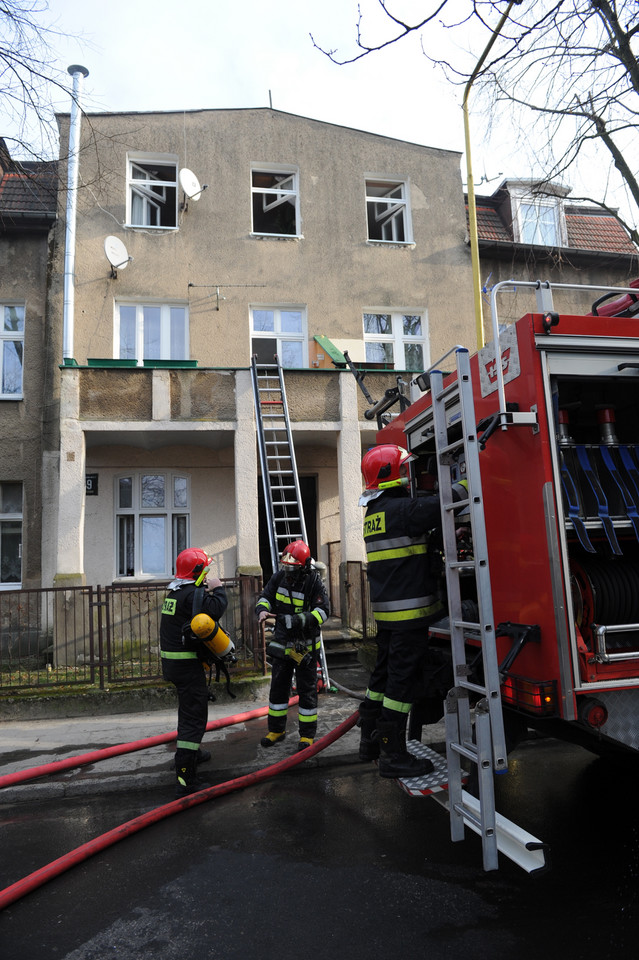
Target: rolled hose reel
x,y
605,592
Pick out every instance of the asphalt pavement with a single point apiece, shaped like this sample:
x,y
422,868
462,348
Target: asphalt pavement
x,y
28,744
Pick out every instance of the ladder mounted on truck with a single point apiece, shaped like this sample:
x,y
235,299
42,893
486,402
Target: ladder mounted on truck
x,y
474,731
280,480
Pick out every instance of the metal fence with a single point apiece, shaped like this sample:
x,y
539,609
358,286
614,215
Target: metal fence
x,y
102,635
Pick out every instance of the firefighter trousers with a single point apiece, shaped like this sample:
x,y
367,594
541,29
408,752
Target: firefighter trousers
x,y
396,678
189,679
282,673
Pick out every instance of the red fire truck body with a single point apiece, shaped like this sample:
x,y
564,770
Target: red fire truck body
x,y
561,505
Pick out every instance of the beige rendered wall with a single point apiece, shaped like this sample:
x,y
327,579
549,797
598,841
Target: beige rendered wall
x,y
333,270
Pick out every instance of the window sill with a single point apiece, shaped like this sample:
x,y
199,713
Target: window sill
x,y
11,396
400,244
277,236
162,364
143,226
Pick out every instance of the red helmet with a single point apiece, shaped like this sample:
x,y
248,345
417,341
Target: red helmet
x,y
190,563
296,554
385,466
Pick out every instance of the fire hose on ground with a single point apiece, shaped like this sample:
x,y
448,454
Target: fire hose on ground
x,y
39,877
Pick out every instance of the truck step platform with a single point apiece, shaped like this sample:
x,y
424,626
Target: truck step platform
x,y
518,845
431,782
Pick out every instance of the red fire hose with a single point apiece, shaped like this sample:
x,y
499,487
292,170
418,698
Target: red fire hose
x,y
19,889
57,766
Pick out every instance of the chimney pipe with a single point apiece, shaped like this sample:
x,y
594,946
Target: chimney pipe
x,y
78,73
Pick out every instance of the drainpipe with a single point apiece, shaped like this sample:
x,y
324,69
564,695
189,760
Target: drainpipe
x,y
78,73
472,211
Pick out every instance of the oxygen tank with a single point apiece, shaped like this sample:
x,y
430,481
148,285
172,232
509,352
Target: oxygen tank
x,y
212,635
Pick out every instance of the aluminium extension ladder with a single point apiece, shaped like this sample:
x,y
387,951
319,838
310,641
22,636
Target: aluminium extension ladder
x,y
453,406
280,480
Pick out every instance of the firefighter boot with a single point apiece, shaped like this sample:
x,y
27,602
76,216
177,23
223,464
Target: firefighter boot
x,y
395,760
203,756
271,738
185,772
367,723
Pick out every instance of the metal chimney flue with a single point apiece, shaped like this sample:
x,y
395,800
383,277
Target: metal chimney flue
x,y
78,73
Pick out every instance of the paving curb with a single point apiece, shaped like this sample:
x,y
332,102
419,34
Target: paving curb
x,y
95,703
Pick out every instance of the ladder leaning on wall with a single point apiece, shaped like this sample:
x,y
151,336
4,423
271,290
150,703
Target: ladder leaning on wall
x,y
280,480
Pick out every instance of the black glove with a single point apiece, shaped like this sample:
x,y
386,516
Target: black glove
x,y
295,621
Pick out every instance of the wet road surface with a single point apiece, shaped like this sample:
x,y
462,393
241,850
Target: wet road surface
x,y
330,861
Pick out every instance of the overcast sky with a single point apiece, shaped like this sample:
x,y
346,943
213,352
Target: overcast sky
x,y
162,55
201,54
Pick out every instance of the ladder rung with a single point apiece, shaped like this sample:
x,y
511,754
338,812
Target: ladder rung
x,y
475,687
449,448
456,505
461,565
446,391
466,624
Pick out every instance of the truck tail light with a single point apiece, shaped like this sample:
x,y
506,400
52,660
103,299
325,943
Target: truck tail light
x,y
592,712
538,697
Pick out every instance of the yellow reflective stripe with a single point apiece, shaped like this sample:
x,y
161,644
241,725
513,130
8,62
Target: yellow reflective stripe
x,y
414,614
277,713
186,745
179,654
397,705
319,616
412,551
291,601
309,718
372,695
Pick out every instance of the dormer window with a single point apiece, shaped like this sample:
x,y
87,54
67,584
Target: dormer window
x,y
537,213
539,222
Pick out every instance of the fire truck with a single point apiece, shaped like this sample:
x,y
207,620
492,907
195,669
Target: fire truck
x,y
540,564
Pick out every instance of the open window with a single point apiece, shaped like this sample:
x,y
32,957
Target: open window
x,y
152,191
275,201
387,211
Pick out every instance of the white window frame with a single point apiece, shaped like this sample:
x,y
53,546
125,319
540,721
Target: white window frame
x,y
12,517
397,336
278,334
176,517
388,213
166,339
151,192
287,191
8,337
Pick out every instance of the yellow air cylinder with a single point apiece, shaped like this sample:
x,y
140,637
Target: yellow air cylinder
x,y
211,635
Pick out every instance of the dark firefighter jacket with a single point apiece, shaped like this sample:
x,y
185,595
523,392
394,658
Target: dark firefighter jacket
x,y
288,595
177,610
396,532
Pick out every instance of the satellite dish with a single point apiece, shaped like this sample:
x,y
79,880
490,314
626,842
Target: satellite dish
x,y
190,184
116,254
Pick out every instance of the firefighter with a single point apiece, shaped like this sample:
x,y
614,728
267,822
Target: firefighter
x,y
181,664
404,601
295,597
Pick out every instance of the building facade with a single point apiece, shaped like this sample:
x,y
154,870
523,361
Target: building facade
x,y
27,409
205,238
202,239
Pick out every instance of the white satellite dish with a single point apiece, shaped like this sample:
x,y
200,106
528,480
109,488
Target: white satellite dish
x,y
190,184
116,254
